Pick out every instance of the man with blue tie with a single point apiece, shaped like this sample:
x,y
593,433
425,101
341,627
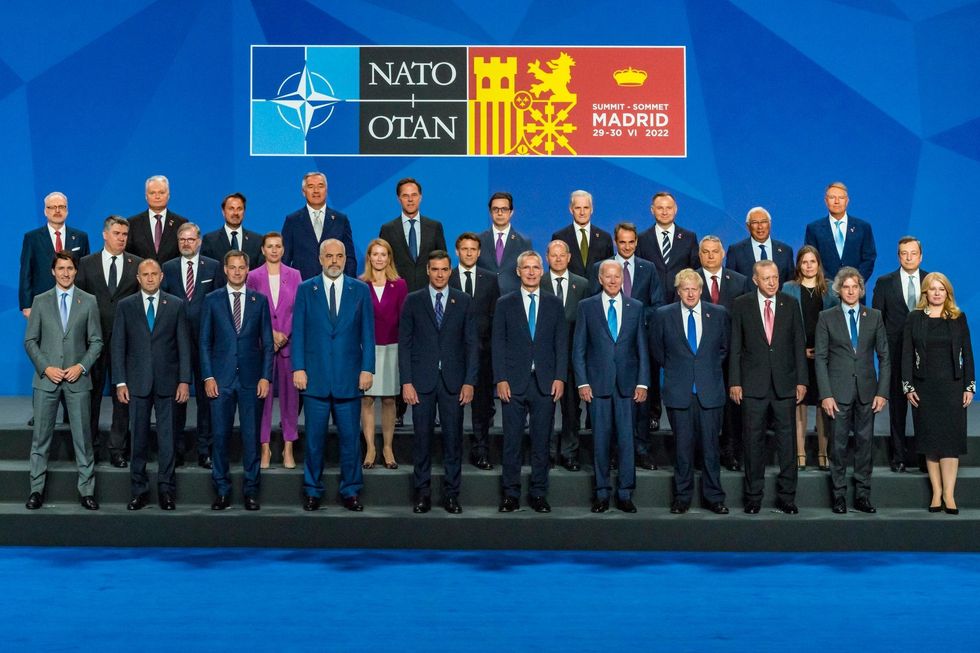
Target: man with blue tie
x,y
612,369
690,340
412,235
305,230
333,364
232,234
760,246
501,243
438,357
41,244
842,239
236,363
530,361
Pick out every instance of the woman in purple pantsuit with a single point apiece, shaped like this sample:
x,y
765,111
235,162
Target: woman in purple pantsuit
x,y
279,282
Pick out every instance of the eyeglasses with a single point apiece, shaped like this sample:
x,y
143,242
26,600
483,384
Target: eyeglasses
x,y
187,240
56,207
500,209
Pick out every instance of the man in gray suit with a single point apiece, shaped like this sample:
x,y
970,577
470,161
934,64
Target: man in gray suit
x,y
63,340
847,339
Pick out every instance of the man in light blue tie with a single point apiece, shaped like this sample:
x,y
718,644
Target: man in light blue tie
x,y
842,239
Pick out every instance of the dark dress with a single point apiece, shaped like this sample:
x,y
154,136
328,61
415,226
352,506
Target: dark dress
x,y
940,419
811,305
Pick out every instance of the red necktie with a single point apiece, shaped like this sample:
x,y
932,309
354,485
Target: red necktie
x,y
189,286
714,289
58,245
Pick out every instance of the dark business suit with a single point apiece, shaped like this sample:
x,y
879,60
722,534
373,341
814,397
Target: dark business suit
x,y
683,254
859,246
768,375
333,351
530,364
36,254
694,392
210,276
848,376
151,364
485,295
437,360
514,246
215,245
889,297
140,240
600,247
613,368
301,249
740,257
429,237
237,361
91,279
574,289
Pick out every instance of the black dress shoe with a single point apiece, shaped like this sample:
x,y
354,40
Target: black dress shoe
x,y
787,507
539,504
864,505
679,507
645,461
614,463
509,504
34,501
178,460
935,508
483,463
717,507
118,460
654,424
626,505
571,464
89,503
840,506
451,504
353,503
138,502
311,504
600,505
223,502
251,503
949,511
167,502
204,460
752,508
422,505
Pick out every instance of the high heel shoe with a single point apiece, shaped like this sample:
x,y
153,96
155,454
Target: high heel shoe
x,y
935,508
950,511
390,462
822,463
801,462
266,456
287,456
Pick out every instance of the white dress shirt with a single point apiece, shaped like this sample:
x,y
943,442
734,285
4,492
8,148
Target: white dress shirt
x,y
757,251
107,261
685,311
462,277
231,300
762,306
564,284
578,233
240,231
195,263
338,285
617,306
847,316
707,279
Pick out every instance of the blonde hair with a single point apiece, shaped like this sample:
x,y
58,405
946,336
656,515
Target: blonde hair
x,y
687,274
950,310
391,273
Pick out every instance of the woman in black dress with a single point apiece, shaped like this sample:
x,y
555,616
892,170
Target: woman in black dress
x,y
938,379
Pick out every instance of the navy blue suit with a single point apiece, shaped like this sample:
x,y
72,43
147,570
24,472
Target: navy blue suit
x,y
600,247
333,353
530,365
612,369
514,246
215,245
237,361
859,246
694,392
740,257
438,361
683,254
36,255
301,249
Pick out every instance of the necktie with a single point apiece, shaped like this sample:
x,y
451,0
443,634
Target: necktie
x,y
64,311
531,316
500,248
762,253
318,224
611,319
234,240
715,292
189,286
58,245
439,310
151,315
665,247
413,240
839,237
237,311
468,288
157,232
854,330
583,247
627,280
333,302
692,340
113,276
561,291
770,317
910,297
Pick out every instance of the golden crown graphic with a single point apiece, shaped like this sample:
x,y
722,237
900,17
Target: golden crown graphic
x,y
630,77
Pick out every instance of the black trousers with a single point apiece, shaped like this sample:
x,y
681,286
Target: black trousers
x,y
755,411
120,411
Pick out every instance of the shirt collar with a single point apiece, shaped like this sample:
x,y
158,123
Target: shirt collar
x,y
232,291
162,213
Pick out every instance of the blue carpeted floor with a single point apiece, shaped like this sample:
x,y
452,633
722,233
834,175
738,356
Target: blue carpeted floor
x,y
181,600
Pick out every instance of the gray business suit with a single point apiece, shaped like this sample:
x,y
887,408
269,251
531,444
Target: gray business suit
x,y
848,375
49,345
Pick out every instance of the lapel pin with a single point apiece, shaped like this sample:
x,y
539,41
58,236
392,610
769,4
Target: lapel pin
x,y
253,299
864,314
315,288
163,301
452,301
851,230
707,315
170,223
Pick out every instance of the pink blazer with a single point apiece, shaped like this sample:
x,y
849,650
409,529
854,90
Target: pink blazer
x,y
282,315
387,311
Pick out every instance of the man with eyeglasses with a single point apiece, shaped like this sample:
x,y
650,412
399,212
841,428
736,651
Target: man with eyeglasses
x,y
40,246
501,244
759,246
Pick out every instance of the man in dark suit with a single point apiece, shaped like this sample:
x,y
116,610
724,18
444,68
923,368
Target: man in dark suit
x,y
530,359
109,275
570,289
848,337
481,285
586,243
333,364
612,370
190,278
840,238
153,233
690,340
767,371
151,367
39,248
305,230
501,244
438,357
236,363
233,235
412,236
760,246
896,294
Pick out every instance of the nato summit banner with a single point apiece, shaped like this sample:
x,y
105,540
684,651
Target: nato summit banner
x,y
480,101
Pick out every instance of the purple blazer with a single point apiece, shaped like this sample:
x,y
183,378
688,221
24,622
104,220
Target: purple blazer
x,y
282,315
387,311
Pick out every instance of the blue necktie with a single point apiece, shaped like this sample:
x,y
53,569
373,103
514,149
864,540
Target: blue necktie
x,y
333,302
692,340
440,313
531,316
854,330
64,312
234,240
839,238
611,319
151,315
413,240
762,255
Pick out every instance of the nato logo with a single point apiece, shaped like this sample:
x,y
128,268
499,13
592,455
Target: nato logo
x,y
303,100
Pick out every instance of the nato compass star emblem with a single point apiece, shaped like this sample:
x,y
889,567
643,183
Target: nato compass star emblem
x,y
305,100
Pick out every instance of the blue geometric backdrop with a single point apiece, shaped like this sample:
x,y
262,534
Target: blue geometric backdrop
x,y
783,97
